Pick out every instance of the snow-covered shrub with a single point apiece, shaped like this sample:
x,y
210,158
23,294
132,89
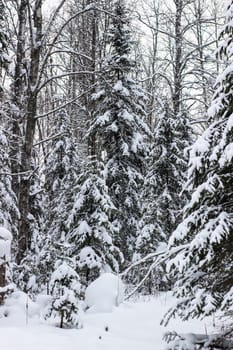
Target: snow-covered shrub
x,y
64,288
5,256
104,293
19,308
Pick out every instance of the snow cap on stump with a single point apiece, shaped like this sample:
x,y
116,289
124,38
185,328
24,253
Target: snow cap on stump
x,y
104,293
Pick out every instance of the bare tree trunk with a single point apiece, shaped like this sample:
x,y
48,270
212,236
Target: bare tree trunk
x,y
178,58
62,319
24,235
17,100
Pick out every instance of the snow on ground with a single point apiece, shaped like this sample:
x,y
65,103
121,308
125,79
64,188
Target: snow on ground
x,y
131,326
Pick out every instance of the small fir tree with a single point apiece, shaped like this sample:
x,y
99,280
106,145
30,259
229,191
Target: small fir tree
x,y
203,265
64,289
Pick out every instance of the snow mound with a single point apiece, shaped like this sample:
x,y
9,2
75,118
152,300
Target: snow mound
x,y
17,307
104,293
5,243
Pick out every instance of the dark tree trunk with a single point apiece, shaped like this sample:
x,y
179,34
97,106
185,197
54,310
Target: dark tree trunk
x,y
62,319
178,58
24,235
17,99
2,279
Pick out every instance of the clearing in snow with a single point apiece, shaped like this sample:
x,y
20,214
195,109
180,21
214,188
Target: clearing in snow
x,y
134,325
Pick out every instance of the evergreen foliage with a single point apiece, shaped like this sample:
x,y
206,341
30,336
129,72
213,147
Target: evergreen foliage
x,y
64,288
8,203
203,267
167,166
119,130
91,225
4,38
60,171
162,195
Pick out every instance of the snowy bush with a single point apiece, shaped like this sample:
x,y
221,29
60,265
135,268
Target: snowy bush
x,y
19,308
5,250
65,288
5,244
104,293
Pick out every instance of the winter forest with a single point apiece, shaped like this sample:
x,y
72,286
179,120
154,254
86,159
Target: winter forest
x,y
116,163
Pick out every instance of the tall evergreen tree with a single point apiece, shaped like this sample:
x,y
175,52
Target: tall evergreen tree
x,y
203,267
119,130
61,170
162,193
167,171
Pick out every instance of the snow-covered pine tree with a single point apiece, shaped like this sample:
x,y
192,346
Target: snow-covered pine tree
x,y
91,225
119,130
162,194
203,265
61,170
166,176
64,288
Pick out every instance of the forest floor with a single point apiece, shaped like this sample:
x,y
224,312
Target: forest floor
x,y
134,325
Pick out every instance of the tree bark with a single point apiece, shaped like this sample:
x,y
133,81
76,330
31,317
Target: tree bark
x,y
2,279
24,235
17,98
178,58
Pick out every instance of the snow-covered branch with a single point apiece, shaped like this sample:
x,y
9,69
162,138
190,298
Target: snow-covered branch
x,y
194,341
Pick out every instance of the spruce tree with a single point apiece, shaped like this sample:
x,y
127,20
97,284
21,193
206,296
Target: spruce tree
x,y
64,288
162,193
167,171
61,170
91,225
119,130
203,267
